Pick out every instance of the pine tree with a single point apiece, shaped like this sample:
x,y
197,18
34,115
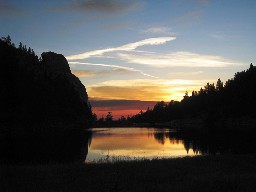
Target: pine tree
x,y
20,46
185,96
219,85
7,40
29,50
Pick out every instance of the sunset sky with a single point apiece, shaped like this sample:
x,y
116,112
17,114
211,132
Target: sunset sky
x,y
126,52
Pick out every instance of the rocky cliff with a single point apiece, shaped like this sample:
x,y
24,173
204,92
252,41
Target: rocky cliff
x,y
43,108
57,66
55,63
40,91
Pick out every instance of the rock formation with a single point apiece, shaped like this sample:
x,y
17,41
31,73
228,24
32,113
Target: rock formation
x,y
55,63
40,91
43,108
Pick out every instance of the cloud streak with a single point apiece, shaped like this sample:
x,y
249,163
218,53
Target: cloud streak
x,y
92,73
83,73
177,59
113,66
126,47
129,54
158,30
192,73
144,89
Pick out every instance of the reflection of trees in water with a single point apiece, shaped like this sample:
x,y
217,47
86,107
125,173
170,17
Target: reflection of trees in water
x,y
210,143
86,142
160,136
202,143
175,141
45,147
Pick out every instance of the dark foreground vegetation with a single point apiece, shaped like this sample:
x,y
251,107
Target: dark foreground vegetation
x,y
206,173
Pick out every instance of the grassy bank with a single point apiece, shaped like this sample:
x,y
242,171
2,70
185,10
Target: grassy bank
x,y
208,173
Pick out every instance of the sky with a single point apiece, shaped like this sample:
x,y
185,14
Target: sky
x,y
131,54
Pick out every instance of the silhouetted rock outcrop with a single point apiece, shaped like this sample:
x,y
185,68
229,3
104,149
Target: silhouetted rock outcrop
x,y
45,91
43,107
55,63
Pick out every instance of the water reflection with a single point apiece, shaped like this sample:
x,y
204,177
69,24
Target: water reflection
x,y
85,144
135,143
63,146
164,143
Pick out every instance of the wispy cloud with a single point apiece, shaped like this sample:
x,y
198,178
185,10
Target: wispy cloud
x,y
126,47
144,89
158,30
177,59
83,73
192,73
113,71
129,54
113,66
150,82
118,92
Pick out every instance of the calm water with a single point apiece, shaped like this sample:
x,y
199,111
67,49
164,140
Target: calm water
x,y
137,143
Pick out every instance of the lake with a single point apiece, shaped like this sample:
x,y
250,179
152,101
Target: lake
x,y
137,143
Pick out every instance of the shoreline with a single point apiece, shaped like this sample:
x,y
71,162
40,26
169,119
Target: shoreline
x,y
200,173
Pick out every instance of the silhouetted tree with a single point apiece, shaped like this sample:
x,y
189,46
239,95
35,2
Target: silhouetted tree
x,y
219,85
122,118
29,50
7,40
20,46
251,67
185,96
109,118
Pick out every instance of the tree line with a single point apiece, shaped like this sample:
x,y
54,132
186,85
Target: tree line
x,y
214,102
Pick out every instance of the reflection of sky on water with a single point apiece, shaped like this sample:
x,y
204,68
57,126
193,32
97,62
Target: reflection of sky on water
x,y
135,143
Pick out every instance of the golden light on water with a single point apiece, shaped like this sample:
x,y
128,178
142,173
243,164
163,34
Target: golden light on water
x,y
135,143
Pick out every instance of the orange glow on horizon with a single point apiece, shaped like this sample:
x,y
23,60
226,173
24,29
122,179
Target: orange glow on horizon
x,y
142,90
102,112
120,108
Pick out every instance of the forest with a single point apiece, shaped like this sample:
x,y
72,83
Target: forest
x,y
214,104
220,105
